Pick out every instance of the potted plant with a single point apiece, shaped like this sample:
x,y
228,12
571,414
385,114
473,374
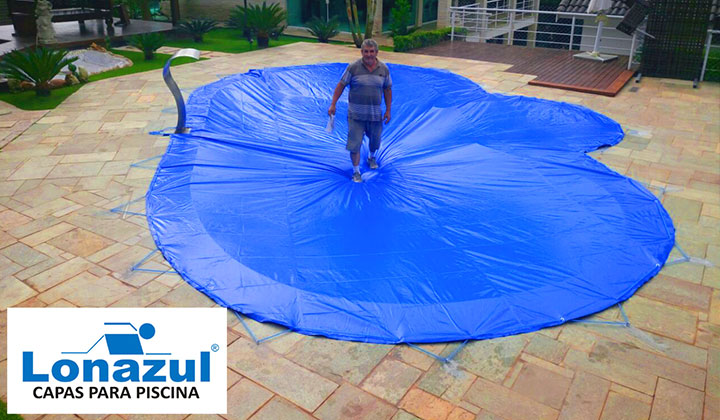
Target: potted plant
x,y
198,27
265,22
148,43
323,30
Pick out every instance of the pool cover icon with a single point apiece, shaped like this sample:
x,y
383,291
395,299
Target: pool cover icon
x,y
128,344
125,343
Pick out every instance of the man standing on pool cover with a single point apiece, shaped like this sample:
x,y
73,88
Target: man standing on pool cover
x,y
369,81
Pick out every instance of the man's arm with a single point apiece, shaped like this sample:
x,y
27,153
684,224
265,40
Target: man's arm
x,y
388,104
336,95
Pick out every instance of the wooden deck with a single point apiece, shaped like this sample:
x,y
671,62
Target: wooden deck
x,y
69,34
553,68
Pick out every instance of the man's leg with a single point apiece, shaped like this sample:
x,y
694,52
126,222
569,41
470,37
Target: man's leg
x,y
374,133
355,158
354,142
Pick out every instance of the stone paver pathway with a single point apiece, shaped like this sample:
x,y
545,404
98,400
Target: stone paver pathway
x,y
62,170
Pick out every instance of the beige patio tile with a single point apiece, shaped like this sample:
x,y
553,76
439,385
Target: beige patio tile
x,y
492,359
390,380
278,408
80,242
13,291
651,362
23,255
585,398
279,375
620,407
87,127
677,292
507,403
88,157
44,235
612,370
339,360
10,219
48,208
246,397
75,170
426,406
415,358
144,296
351,402
441,382
675,401
40,194
87,290
661,318
542,385
58,274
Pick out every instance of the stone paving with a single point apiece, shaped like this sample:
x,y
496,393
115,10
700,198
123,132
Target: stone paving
x,y
62,170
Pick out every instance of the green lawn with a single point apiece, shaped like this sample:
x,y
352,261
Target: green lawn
x,y
232,41
30,102
221,39
4,415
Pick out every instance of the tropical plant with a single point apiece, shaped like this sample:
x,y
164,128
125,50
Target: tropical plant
x,y
265,22
354,21
403,43
400,18
37,66
198,27
323,30
148,43
238,20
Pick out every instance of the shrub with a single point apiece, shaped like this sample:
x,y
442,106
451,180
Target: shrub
x,y
400,18
422,39
323,30
148,43
197,27
238,20
265,22
37,66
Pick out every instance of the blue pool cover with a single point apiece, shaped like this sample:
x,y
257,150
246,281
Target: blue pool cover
x,y
486,217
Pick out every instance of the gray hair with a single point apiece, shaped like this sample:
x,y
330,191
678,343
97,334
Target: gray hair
x,y
369,43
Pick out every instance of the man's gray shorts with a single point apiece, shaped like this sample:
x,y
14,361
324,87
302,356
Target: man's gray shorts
x,y
356,129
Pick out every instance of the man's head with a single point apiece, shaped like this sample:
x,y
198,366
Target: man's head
x,y
369,50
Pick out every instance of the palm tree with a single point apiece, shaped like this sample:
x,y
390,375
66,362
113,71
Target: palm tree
x,y
352,14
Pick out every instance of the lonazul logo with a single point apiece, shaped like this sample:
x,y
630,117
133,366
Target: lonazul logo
x,y
121,362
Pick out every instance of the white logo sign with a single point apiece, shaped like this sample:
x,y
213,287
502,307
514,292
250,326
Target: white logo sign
x,y
124,360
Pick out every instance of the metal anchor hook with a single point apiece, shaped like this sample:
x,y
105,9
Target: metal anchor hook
x,y
170,82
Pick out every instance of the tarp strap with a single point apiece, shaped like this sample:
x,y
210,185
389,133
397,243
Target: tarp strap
x,y
123,208
137,266
626,323
437,356
162,132
140,164
685,257
253,336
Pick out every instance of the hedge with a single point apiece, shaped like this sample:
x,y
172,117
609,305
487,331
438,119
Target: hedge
x,y
423,39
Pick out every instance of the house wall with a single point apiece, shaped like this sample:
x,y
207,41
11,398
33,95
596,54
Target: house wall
x,y
220,9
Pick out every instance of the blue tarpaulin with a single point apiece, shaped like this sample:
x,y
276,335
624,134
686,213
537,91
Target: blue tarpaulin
x,y
485,218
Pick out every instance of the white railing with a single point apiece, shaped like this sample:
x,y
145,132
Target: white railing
x,y
573,31
708,46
